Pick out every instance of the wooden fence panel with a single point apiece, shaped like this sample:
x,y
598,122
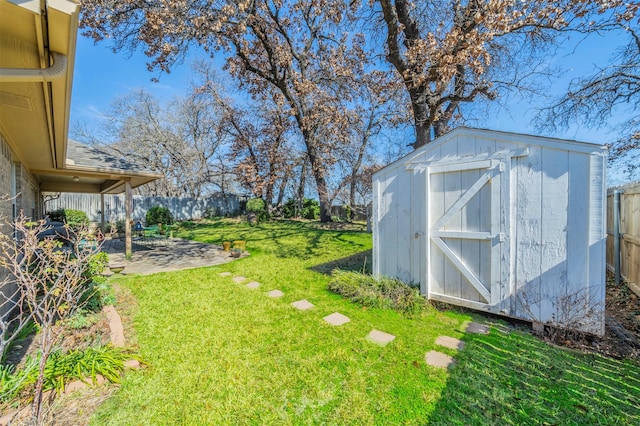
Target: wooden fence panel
x,y
114,206
629,228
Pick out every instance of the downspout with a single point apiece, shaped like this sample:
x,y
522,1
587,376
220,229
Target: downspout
x,y
40,75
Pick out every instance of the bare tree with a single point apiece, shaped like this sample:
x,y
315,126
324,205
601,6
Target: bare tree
x,y
50,284
452,53
596,99
296,48
180,139
261,147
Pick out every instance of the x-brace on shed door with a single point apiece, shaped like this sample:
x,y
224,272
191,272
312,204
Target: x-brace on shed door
x,y
468,220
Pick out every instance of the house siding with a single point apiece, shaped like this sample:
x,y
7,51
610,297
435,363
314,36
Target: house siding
x,y
5,183
27,199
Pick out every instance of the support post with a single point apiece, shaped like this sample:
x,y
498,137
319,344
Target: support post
x,y
616,235
128,202
102,212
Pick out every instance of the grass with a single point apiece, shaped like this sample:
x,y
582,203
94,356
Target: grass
x,y
220,353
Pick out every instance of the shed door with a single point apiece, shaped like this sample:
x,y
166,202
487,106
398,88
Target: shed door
x,y
468,225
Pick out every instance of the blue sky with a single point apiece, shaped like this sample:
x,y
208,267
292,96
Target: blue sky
x,y
101,75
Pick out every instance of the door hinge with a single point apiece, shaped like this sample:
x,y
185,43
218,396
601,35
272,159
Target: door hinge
x,y
502,236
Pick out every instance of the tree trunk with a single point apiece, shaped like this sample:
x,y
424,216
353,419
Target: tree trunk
x,y
423,135
420,117
352,198
323,195
281,190
300,194
45,350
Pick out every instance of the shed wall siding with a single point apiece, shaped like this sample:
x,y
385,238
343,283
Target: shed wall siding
x,y
552,259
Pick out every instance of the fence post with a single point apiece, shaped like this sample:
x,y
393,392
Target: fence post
x,y
616,235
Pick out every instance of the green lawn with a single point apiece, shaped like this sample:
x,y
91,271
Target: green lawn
x,y
220,353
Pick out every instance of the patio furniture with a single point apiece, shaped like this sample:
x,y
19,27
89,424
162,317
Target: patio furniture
x,y
153,234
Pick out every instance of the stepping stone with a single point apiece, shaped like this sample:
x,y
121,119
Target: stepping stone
x,y
450,342
303,304
380,337
336,319
239,279
224,274
253,284
474,327
438,359
275,293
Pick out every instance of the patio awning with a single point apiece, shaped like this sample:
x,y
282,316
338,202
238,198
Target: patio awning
x,y
94,170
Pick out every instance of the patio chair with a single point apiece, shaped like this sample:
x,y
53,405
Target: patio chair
x,y
153,234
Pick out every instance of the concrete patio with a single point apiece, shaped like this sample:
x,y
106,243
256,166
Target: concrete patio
x,y
172,254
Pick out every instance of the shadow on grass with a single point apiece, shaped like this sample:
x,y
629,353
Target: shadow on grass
x,y
359,262
511,378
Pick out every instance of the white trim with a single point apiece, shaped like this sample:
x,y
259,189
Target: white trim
x,y
500,136
462,235
496,229
428,236
469,275
506,260
455,208
462,302
458,166
467,159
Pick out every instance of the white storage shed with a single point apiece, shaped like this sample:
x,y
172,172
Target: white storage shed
x,y
500,222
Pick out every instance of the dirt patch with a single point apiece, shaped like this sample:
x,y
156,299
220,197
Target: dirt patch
x,y
95,333
624,305
622,329
623,323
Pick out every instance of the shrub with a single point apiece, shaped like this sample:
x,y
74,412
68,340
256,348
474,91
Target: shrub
x,y
76,218
97,292
159,214
381,292
347,210
310,209
290,209
257,207
212,213
188,225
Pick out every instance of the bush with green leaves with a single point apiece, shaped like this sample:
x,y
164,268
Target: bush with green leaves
x,y
290,209
383,292
62,368
257,207
188,225
310,209
98,292
74,218
159,214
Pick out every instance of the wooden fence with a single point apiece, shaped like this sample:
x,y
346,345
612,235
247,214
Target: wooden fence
x,y
114,207
629,230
